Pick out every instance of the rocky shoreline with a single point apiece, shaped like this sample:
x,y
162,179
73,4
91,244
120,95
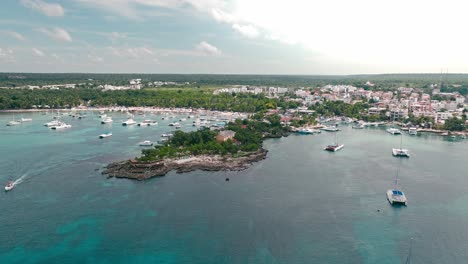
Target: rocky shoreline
x,y
135,170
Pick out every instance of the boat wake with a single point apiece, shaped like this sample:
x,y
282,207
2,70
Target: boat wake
x,y
20,179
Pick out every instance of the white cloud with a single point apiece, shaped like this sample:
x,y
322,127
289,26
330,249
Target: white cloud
x,y
248,30
47,9
222,16
57,33
205,48
38,52
16,35
116,35
6,55
135,9
135,53
95,59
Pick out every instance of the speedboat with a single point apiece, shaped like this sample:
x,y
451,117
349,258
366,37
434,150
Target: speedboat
x,y
146,143
148,122
334,147
396,196
61,126
107,120
105,135
53,123
394,131
10,185
413,131
26,119
129,122
13,123
400,152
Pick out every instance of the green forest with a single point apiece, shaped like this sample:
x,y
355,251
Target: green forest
x,y
248,138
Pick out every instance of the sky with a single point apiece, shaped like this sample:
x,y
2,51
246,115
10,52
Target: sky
x,y
233,36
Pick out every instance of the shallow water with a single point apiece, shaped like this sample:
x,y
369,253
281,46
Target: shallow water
x,y
300,205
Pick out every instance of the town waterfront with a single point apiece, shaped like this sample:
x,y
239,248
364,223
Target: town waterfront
x,y
300,205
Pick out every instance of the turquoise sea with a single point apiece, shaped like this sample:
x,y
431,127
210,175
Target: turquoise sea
x,y
300,205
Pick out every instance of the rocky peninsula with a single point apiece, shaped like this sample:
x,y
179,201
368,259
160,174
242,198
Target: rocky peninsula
x,y
139,170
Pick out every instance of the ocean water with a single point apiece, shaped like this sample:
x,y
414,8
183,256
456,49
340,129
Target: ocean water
x,y
300,205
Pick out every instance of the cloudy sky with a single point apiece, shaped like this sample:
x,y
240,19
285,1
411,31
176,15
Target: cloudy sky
x,y
233,36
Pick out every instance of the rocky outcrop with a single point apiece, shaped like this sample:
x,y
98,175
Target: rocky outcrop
x,y
132,169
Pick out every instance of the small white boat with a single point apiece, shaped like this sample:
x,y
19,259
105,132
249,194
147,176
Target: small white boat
x,y
61,126
13,123
26,119
413,131
167,135
10,185
105,135
305,131
107,120
330,129
396,196
394,131
358,126
129,122
146,143
174,124
53,123
177,126
182,119
148,122
400,152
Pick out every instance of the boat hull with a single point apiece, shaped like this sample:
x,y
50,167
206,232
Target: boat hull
x,y
395,199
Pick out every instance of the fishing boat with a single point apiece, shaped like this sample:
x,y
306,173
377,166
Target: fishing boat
x,y
146,143
129,122
61,126
395,195
334,147
105,135
9,186
148,122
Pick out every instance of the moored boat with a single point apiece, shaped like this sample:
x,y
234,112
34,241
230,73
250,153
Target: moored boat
x,y
334,147
107,120
129,122
13,123
148,122
146,143
61,126
393,131
396,196
400,152
413,131
105,135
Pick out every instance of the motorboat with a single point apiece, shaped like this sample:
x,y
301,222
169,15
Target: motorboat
x,y
129,122
148,122
334,147
167,135
105,135
413,131
396,196
9,186
146,143
305,131
53,123
61,126
400,152
26,119
107,120
330,129
174,124
358,126
183,119
177,126
13,123
394,131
